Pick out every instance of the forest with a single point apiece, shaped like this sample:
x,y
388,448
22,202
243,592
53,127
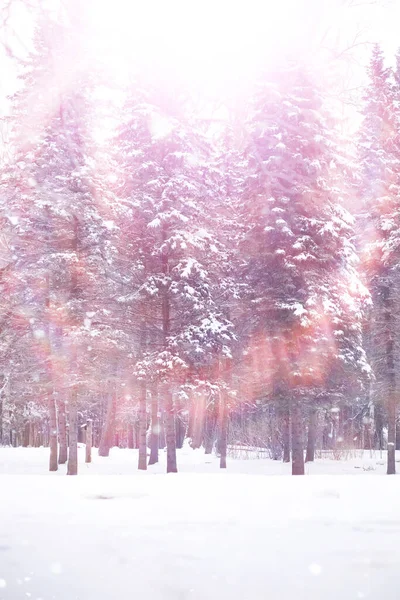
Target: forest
x,y
199,299
218,271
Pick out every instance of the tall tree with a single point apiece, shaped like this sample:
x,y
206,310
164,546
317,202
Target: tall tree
x,y
300,257
167,191
379,151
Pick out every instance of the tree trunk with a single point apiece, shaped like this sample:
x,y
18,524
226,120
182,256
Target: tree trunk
x,y
89,437
108,427
391,397
223,429
297,439
312,434
62,433
286,432
155,427
53,436
53,462
397,435
72,468
142,464
208,445
136,430
168,396
379,425
170,433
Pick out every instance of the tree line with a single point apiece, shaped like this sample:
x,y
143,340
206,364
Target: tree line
x,y
228,280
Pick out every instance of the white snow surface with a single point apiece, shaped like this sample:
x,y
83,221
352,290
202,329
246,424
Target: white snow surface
x,y
114,533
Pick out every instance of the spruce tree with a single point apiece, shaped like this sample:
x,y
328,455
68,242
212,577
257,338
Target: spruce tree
x,y
300,255
379,154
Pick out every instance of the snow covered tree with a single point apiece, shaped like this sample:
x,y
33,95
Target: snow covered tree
x,y
169,196
379,152
300,264
59,227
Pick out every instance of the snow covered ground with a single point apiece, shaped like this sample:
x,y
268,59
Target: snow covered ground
x,y
199,534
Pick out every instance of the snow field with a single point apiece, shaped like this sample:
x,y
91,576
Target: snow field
x,y
200,534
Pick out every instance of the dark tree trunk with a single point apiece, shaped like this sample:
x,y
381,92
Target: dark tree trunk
x,y
223,429
142,463
170,431
312,434
62,433
286,432
72,468
397,435
89,439
168,395
155,427
297,438
391,391
379,425
53,433
53,462
136,431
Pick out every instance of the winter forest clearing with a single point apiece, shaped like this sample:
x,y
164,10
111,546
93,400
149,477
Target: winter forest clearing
x,y
199,284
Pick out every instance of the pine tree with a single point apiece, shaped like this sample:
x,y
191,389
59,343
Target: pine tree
x,y
379,190
61,234
300,256
168,193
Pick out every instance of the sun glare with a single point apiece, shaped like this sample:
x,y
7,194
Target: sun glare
x,y
203,42
219,45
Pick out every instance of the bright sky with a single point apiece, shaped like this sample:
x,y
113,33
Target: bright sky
x,y
214,45
204,37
